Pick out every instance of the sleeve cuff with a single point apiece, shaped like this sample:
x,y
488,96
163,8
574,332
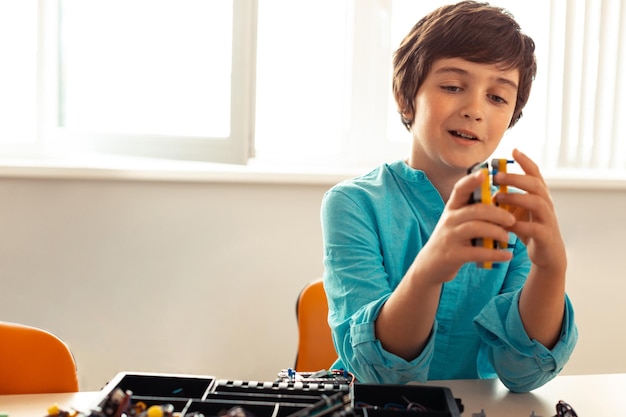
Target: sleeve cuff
x,y
375,364
512,352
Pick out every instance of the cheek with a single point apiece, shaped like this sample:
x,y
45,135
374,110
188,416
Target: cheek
x,y
501,122
425,110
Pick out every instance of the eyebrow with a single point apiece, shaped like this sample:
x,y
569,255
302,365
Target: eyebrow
x,y
461,71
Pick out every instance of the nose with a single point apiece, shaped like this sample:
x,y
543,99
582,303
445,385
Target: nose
x,y
472,109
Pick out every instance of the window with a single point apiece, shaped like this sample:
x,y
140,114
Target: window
x,y
162,78
18,73
139,84
306,81
586,104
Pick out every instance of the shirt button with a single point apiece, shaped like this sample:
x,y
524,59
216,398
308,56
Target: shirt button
x,y
441,328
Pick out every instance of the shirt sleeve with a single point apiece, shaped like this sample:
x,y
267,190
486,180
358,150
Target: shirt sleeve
x,y
357,287
521,364
364,355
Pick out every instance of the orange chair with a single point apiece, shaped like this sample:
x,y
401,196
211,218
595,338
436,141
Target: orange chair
x,y
34,361
315,344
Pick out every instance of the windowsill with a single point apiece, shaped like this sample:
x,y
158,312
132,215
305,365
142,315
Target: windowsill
x,y
105,167
122,168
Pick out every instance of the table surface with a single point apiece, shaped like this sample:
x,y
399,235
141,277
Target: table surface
x,y
36,405
589,395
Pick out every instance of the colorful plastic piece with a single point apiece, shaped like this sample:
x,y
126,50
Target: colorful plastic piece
x,y
484,195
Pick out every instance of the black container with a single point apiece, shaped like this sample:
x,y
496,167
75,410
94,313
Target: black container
x,y
192,393
159,389
221,407
163,385
389,400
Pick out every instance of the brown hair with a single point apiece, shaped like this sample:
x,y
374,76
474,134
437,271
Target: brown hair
x,y
469,30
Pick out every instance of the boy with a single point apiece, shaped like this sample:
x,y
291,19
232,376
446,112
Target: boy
x,y
407,301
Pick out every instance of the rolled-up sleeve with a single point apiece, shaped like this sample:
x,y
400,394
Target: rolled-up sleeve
x,y
522,364
365,356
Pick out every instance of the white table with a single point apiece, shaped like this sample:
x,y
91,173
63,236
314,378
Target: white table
x,y
590,395
36,405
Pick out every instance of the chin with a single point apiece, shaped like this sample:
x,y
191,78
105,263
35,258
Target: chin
x,y
464,162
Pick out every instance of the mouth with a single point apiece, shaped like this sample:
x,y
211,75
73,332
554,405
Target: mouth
x,y
462,135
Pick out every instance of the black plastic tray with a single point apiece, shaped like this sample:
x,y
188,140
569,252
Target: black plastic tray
x,y
190,394
389,400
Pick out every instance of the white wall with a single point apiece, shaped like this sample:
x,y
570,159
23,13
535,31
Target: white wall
x,y
201,277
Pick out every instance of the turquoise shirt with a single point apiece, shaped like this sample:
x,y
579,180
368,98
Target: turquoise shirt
x,y
373,227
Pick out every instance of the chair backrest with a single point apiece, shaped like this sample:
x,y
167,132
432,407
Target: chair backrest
x,y
315,344
34,361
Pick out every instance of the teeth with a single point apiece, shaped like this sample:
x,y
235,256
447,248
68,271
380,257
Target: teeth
x,y
463,135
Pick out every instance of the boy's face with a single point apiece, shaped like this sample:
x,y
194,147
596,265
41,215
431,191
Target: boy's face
x,y
462,110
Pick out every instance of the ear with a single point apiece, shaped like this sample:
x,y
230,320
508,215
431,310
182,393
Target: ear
x,y
403,108
406,115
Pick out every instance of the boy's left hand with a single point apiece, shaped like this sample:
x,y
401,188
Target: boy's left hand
x,y
537,225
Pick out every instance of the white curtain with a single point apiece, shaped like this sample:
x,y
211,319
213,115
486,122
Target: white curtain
x,y
586,105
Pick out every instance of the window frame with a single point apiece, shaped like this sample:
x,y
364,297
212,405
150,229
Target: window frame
x,y
235,149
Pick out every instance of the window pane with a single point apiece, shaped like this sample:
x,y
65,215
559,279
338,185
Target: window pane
x,y
146,66
18,72
301,70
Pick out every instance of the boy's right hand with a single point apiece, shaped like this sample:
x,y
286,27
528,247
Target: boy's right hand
x,y
450,245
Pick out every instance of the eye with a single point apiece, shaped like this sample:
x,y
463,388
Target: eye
x,y
451,88
498,99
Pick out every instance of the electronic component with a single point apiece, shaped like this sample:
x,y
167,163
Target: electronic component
x,y
484,195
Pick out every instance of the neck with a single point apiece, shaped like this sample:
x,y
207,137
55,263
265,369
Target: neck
x,y
442,177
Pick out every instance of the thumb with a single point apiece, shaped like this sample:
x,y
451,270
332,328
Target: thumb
x,y
464,188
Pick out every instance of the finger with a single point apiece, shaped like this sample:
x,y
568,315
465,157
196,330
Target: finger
x,y
527,164
526,229
538,202
481,255
484,229
464,188
489,213
530,181
526,182
463,248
